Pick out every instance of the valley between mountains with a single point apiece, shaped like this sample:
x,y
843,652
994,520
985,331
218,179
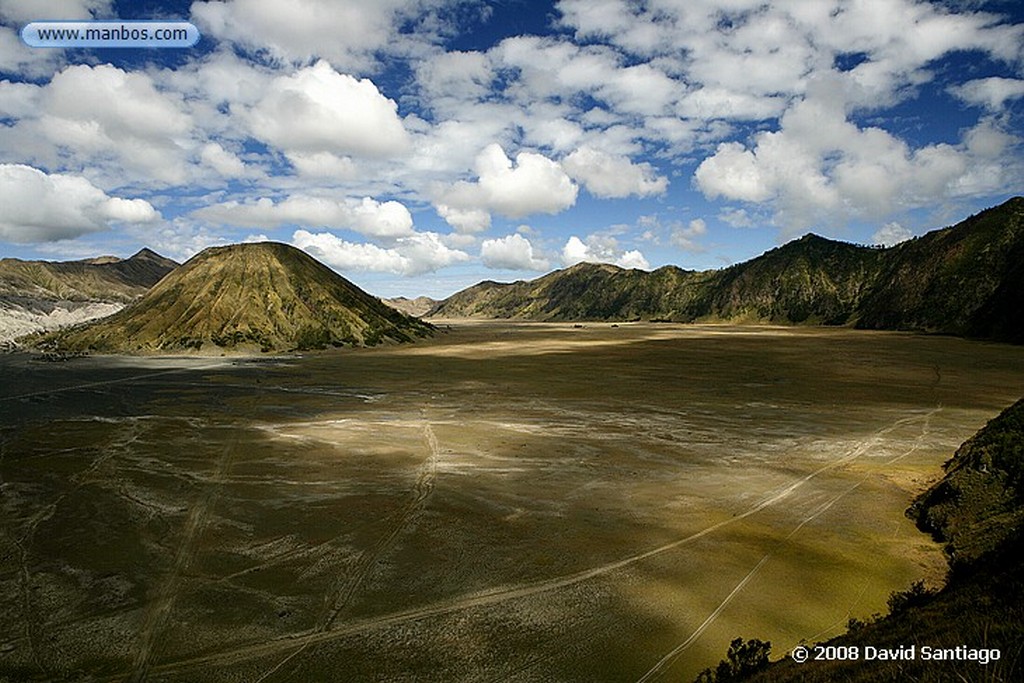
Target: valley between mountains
x,y
502,501
257,471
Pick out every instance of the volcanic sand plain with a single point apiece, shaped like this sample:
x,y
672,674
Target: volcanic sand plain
x,y
503,502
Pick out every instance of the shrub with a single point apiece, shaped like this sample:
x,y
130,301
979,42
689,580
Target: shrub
x,y
743,659
917,594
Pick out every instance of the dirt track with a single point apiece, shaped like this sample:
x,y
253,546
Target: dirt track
x,y
506,502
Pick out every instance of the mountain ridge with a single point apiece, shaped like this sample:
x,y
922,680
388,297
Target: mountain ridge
x,y
37,296
963,279
104,278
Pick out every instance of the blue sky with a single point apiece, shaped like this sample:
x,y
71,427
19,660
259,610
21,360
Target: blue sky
x,y
420,146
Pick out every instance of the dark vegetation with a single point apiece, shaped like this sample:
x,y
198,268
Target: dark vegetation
x,y
964,280
976,510
743,659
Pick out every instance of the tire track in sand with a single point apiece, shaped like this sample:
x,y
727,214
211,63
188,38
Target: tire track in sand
x,y
659,669
421,490
338,600
159,610
34,631
501,594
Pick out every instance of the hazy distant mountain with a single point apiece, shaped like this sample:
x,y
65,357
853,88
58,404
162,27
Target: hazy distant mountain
x,y
967,279
106,278
45,295
264,296
417,307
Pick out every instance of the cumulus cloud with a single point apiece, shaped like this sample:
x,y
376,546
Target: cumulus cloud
x,y
115,123
822,167
685,237
891,234
415,254
533,184
737,218
617,82
991,93
24,11
367,216
512,252
467,220
611,176
225,163
347,32
601,249
323,165
15,56
43,208
741,51
450,79
317,109
18,99
733,172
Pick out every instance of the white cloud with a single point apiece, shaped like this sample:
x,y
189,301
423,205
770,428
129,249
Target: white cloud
x,y
317,110
720,103
465,221
451,79
220,78
638,79
820,167
18,58
601,249
988,140
415,254
24,11
737,218
222,161
991,93
891,234
345,256
733,172
347,32
686,237
548,67
608,176
513,252
546,127
376,219
323,165
18,99
44,208
534,184
104,121
743,59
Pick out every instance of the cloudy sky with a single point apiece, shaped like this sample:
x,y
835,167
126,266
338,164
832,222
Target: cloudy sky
x,y
419,146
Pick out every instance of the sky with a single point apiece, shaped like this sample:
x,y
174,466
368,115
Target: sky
x,y
420,146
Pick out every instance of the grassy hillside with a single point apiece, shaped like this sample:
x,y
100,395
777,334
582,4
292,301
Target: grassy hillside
x,y
964,280
265,297
809,280
976,510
